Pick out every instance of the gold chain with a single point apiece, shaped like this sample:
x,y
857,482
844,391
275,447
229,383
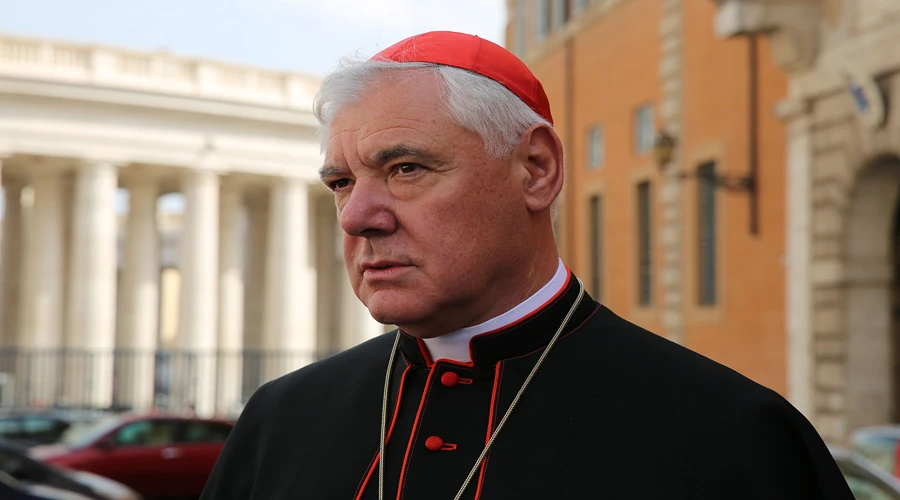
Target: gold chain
x,y
515,401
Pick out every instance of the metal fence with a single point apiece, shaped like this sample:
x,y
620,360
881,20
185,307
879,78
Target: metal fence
x,y
141,379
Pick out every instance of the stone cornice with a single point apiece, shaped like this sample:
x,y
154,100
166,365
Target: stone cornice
x,y
159,73
179,103
793,27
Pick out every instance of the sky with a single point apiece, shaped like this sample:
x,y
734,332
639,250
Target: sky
x,y
308,36
305,36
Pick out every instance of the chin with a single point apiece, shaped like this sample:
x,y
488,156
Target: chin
x,y
397,309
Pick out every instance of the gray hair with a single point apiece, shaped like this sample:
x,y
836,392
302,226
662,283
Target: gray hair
x,y
473,101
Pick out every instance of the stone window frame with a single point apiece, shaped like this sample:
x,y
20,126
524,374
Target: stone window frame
x,y
596,188
643,131
542,19
696,313
600,153
645,314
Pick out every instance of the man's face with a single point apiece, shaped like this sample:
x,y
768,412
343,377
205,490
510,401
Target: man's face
x,y
429,217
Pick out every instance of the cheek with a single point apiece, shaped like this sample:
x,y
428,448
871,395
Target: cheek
x,y
457,237
350,254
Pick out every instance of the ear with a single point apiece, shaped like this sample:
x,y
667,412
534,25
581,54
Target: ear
x,y
540,158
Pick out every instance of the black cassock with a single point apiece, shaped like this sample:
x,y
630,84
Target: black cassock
x,y
614,412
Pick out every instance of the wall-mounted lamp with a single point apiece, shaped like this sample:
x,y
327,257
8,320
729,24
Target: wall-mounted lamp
x,y
663,153
663,149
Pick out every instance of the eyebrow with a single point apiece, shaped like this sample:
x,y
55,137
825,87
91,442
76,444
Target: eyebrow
x,y
331,171
404,151
385,156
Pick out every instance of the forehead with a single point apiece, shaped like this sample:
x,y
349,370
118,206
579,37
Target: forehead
x,y
402,107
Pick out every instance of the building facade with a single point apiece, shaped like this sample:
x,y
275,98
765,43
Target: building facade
x,y
662,244
767,240
193,309
690,246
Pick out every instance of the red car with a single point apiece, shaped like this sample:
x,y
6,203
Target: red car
x,y
158,456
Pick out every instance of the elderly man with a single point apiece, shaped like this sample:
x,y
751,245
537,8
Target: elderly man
x,y
505,379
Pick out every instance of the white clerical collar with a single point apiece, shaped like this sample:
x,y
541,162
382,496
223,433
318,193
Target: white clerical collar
x,y
454,346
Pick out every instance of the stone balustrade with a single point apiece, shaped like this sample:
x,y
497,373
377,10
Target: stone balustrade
x,y
160,71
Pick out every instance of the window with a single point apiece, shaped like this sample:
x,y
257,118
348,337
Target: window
x,y
645,264
578,6
596,147
596,231
706,235
541,19
146,433
206,432
644,129
520,26
560,13
10,426
867,489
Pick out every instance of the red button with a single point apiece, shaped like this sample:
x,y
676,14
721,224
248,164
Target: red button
x,y
449,379
434,443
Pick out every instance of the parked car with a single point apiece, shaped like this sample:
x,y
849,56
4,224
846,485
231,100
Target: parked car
x,y
35,427
159,456
22,477
867,481
880,445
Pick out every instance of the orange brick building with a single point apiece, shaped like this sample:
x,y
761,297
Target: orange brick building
x,y
675,255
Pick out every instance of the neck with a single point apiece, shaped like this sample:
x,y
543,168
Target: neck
x,y
454,346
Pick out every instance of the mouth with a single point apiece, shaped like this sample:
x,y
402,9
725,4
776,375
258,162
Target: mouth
x,y
383,269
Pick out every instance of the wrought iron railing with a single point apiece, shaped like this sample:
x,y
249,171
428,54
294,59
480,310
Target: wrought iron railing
x,y
212,382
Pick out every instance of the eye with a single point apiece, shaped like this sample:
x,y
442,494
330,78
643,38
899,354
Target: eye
x,y
407,168
338,184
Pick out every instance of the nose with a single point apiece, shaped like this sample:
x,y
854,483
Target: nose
x,y
367,211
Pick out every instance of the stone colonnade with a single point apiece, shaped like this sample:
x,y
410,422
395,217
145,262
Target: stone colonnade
x,y
76,330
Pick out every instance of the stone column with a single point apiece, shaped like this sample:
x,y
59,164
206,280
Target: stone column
x,y
10,266
10,281
91,305
231,299
798,310
289,331
199,263
255,278
41,307
137,341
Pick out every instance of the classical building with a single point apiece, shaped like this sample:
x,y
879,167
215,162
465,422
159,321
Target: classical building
x,y
762,229
194,309
843,179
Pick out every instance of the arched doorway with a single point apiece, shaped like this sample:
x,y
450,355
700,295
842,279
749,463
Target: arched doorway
x,y
871,284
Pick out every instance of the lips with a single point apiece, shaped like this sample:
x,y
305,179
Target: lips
x,y
381,264
382,269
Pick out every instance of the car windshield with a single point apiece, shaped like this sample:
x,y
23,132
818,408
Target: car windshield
x,y
880,449
81,435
